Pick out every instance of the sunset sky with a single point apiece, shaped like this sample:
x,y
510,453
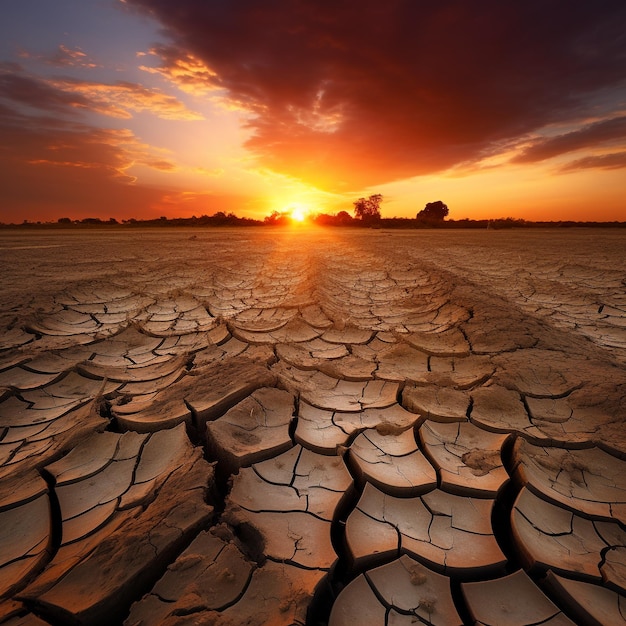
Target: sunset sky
x,y
143,108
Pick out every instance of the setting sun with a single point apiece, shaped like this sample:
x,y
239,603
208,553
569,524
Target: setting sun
x,y
298,213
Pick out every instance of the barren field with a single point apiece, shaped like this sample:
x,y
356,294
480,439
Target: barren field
x,y
277,427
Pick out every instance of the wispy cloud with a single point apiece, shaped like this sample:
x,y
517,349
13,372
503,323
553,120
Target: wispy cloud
x,y
48,158
63,56
589,136
42,140
39,94
121,99
183,69
612,161
52,169
63,95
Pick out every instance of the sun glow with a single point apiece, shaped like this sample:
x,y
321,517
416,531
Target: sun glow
x,y
298,212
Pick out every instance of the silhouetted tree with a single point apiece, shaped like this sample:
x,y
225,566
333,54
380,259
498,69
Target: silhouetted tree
x,y
64,220
324,219
368,209
433,212
343,218
276,219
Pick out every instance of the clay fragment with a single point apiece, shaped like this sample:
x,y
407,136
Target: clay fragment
x,y
436,403
122,523
452,534
586,602
589,480
550,537
392,462
512,600
290,501
25,532
253,430
467,458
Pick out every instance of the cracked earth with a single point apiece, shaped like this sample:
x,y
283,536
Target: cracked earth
x,y
316,427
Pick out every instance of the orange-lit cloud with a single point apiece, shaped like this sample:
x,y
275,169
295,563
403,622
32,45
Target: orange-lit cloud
x,y
191,75
119,100
359,94
122,98
186,71
55,165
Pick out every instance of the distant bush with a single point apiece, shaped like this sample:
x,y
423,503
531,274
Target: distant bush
x,y
433,212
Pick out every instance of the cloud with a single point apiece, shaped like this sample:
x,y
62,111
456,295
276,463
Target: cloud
x,y
39,141
612,161
55,136
589,136
351,94
159,164
39,94
63,57
52,172
120,99
53,165
183,69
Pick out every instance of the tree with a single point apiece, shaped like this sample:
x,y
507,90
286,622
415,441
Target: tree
x,y
368,210
276,219
433,212
343,218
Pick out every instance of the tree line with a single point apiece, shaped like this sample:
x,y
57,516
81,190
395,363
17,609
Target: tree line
x,y
366,211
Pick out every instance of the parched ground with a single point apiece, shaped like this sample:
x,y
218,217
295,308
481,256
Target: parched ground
x,y
299,426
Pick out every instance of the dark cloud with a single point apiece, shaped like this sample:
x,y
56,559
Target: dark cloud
x,y
612,161
36,93
587,137
354,93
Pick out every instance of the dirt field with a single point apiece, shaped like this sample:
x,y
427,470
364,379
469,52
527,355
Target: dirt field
x,y
299,426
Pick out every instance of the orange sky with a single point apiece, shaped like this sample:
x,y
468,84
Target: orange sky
x,y
143,108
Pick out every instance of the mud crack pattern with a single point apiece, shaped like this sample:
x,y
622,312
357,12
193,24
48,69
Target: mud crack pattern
x,y
313,427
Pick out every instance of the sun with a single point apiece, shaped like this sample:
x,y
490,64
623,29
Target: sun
x,y
298,212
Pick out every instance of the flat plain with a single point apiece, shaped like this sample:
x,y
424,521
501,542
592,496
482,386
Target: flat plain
x,y
308,426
